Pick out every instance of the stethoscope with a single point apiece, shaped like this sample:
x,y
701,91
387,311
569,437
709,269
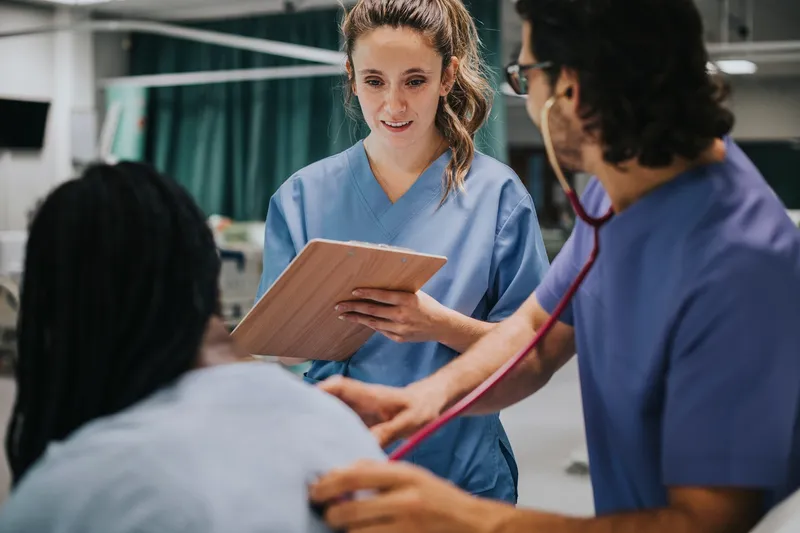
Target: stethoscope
x,y
465,403
596,223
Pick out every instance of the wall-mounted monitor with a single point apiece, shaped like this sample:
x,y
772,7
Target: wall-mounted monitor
x,y
22,124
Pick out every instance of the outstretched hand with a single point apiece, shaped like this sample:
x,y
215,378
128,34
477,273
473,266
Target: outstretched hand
x,y
391,413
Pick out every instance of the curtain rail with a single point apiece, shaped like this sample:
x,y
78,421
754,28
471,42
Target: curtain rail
x,y
254,44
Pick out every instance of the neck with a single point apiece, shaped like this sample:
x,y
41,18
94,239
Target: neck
x,y
628,182
218,348
396,165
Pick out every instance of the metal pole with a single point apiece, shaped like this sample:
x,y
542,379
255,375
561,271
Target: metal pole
x,y
753,47
223,76
725,22
791,57
254,44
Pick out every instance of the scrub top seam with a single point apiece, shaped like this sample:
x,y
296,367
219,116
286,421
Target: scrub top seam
x,y
584,288
401,225
364,201
555,299
511,215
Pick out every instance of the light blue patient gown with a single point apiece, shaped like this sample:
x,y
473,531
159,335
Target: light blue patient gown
x,y
225,449
496,257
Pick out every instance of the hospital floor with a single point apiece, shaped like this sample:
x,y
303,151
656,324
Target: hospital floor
x,y
545,431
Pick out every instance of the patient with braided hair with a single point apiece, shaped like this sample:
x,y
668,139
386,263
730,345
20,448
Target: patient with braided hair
x,y
135,411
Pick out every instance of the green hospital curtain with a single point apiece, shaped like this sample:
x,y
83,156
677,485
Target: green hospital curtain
x,y
492,138
233,144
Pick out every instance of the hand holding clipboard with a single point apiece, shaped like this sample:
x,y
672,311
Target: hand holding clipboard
x,y
296,317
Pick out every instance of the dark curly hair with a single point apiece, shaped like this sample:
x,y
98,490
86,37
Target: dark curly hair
x,y
642,68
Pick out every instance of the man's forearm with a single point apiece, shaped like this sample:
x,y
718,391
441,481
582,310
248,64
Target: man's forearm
x,y
666,520
483,358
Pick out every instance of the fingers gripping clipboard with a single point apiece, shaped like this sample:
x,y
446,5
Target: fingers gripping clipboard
x,y
296,316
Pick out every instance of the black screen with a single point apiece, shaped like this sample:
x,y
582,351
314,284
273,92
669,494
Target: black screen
x,y
22,123
777,161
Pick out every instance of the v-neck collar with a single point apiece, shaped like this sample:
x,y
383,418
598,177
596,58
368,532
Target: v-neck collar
x,y
392,216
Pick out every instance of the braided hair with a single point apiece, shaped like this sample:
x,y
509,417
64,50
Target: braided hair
x,y
120,281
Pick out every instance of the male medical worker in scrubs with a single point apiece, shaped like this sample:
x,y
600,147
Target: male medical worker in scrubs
x,y
417,182
687,329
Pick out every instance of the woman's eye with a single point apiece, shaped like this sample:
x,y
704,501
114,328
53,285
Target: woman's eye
x,y
373,83
416,83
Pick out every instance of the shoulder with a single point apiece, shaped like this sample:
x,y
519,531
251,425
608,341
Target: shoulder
x,y
314,410
739,265
300,408
327,172
739,293
489,179
742,231
90,488
488,173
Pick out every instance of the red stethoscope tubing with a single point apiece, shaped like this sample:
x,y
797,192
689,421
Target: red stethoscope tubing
x,y
469,400
596,223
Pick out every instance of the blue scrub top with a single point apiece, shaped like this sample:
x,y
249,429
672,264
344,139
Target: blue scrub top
x,y
496,258
688,338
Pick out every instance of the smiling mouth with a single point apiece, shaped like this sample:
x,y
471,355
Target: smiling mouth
x,y
397,125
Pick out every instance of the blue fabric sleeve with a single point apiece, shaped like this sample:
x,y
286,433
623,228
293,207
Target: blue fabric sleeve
x,y
733,386
558,279
284,234
519,261
572,256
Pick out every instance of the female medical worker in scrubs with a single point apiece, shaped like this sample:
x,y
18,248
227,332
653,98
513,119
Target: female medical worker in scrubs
x,y
417,182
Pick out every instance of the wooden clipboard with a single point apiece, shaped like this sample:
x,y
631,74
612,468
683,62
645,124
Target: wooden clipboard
x,y
296,316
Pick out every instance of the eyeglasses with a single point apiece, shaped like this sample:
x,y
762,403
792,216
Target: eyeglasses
x,y
516,78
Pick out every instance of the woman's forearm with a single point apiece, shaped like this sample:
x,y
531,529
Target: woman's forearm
x,y
290,361
459,332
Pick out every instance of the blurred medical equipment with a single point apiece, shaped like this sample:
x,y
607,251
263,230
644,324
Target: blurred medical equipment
x,y
240,274
241,249
12,258
9,309
12,252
